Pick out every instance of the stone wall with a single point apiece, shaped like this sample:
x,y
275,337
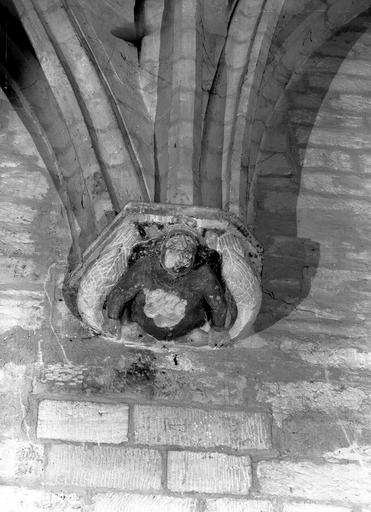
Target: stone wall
x,y
278,423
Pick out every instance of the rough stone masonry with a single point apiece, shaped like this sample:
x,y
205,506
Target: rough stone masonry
x,y
278,423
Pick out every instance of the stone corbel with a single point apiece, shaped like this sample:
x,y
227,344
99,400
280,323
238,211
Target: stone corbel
x,y
108,257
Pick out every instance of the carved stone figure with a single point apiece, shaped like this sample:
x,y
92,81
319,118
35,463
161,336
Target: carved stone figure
x,y
170,293
176,271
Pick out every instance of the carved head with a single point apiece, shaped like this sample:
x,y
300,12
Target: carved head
x,y
178,252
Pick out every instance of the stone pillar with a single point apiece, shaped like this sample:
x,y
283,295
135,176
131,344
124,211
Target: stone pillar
x,y
178,118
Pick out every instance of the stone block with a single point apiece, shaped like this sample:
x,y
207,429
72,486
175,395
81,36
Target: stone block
x,y
104,466
333,137
365,163
113,502
321,482
14,177
21,460
312,507
342,11
280,202
275,164
17,499
16,214
325,119
82,421
325,158
233,505
340,83
204,388
352,103
208,473
19,270
16,243
313,434
198,428
297,397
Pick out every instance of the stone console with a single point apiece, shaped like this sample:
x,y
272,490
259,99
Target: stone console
x,y
171,272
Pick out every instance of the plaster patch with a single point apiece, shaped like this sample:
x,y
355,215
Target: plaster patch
x,y
14,384
166,309
361,454
38,500
15,243
20,308
11,377
21,459
349,357
16,269
8,163
293,397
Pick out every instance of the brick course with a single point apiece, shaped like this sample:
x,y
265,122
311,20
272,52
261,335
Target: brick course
x,y
115,502
326,482
208,473
104,466
233,505
201,429
82,421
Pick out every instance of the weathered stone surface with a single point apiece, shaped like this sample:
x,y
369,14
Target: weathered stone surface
x,y
108,140
20,460
334,137
113,502
19,270
16,242
199,428
341,83
104,466
12,179
351,103
275,164
233,505
355,452
16,213
312,507
332,183
294,397
182,386
329,356
21,308
208,472
364,163
14,385
82,421
342,482
320,433
204,387
323,158
326,119
16,499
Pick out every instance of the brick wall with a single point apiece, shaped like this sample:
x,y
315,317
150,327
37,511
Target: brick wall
x,y
278,423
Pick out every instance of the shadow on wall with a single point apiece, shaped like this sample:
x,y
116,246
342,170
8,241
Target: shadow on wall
x,y
291,261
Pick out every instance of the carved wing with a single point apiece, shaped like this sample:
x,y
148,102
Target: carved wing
x,y
242,281
102,275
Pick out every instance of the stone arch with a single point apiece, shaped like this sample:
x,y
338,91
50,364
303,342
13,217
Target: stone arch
x,y
299,31
266,43
283,204
78,128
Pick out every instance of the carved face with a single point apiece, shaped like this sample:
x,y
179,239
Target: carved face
x,y
178,253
